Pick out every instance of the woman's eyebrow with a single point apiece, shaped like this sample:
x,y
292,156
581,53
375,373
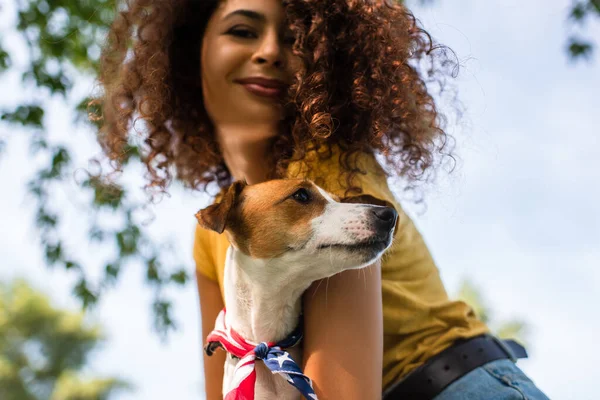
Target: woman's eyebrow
x,y
247,13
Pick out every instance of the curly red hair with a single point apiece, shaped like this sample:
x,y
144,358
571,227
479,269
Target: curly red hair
x,y
359,87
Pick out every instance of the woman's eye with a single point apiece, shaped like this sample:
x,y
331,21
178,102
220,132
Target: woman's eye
x,y
302,196
242,33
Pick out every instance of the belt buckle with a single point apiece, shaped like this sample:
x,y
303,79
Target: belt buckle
x,y
507,350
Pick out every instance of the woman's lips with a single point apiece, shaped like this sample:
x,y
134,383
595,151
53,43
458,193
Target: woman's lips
x,y
262,86
263,91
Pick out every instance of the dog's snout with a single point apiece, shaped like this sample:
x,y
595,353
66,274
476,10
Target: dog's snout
x,y
385,217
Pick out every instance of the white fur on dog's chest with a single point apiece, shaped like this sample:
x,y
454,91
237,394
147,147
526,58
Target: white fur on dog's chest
x,y
258,319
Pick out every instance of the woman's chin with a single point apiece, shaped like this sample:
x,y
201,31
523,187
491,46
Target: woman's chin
x,y
263,113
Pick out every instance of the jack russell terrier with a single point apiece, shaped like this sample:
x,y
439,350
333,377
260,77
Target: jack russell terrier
x,y
284,235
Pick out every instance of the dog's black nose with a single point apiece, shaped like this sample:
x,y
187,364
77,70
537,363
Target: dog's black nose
x,y
385,217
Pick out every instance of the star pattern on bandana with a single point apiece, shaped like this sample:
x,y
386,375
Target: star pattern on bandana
x,y
273,355
283,358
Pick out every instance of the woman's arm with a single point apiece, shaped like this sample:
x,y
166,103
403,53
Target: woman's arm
x,y
343,338
211,303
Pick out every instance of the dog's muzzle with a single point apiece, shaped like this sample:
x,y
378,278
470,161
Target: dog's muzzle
x,y
384,221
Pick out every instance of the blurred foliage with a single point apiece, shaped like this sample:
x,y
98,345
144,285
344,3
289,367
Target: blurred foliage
x,y
581,12
511,329
63,39
43,348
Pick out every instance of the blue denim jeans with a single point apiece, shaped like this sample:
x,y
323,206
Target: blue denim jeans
x,y
497,380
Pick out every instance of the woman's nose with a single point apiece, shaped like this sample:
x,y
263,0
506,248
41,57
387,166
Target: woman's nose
x,y
270,51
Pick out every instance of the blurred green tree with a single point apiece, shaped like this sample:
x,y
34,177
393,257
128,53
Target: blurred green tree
x,y
43,348
509,329
62,39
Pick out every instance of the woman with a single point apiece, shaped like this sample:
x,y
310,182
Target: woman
x,y
259,89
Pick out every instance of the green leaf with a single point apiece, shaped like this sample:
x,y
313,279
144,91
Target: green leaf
x,y
579,49
46,221
180,277
5,61
163,322
127,240
84,293
30,115
152,270
71,265
35,187
129,153
111,272
578,12
53,253
60,160
106,194
56,83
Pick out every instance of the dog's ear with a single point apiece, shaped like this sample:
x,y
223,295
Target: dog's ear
x,y
368,199
214,217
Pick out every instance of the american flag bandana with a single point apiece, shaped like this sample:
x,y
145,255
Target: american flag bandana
x,y
272,354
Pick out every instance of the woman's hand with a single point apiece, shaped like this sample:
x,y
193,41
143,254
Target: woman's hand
x,y
343,335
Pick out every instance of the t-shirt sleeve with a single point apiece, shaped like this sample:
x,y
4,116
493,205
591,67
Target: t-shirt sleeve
x,y
203,254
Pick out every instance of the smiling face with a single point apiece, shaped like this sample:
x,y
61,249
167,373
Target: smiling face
x,y
246,42
294,222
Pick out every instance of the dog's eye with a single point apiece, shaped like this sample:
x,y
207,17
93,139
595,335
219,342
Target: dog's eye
x,y
302,196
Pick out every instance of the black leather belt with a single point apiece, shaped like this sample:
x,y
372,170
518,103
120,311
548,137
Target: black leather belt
x,y
428,380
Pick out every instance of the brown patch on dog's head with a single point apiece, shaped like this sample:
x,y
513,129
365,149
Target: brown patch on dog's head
x,y
276,216
216,216
269,219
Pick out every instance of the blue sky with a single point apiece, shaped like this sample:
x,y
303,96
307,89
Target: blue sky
x,y
518,216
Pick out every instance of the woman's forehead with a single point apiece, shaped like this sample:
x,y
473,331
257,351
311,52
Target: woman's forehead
x,y
260,10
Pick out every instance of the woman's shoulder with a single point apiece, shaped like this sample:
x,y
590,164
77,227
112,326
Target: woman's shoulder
x,y
203,252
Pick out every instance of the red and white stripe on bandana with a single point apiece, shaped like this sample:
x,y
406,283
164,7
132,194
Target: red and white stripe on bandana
x,y
275,358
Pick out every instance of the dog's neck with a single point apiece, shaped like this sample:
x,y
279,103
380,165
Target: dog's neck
x,y
260,307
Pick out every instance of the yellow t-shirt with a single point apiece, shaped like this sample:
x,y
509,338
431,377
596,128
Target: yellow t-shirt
x,y
419,320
